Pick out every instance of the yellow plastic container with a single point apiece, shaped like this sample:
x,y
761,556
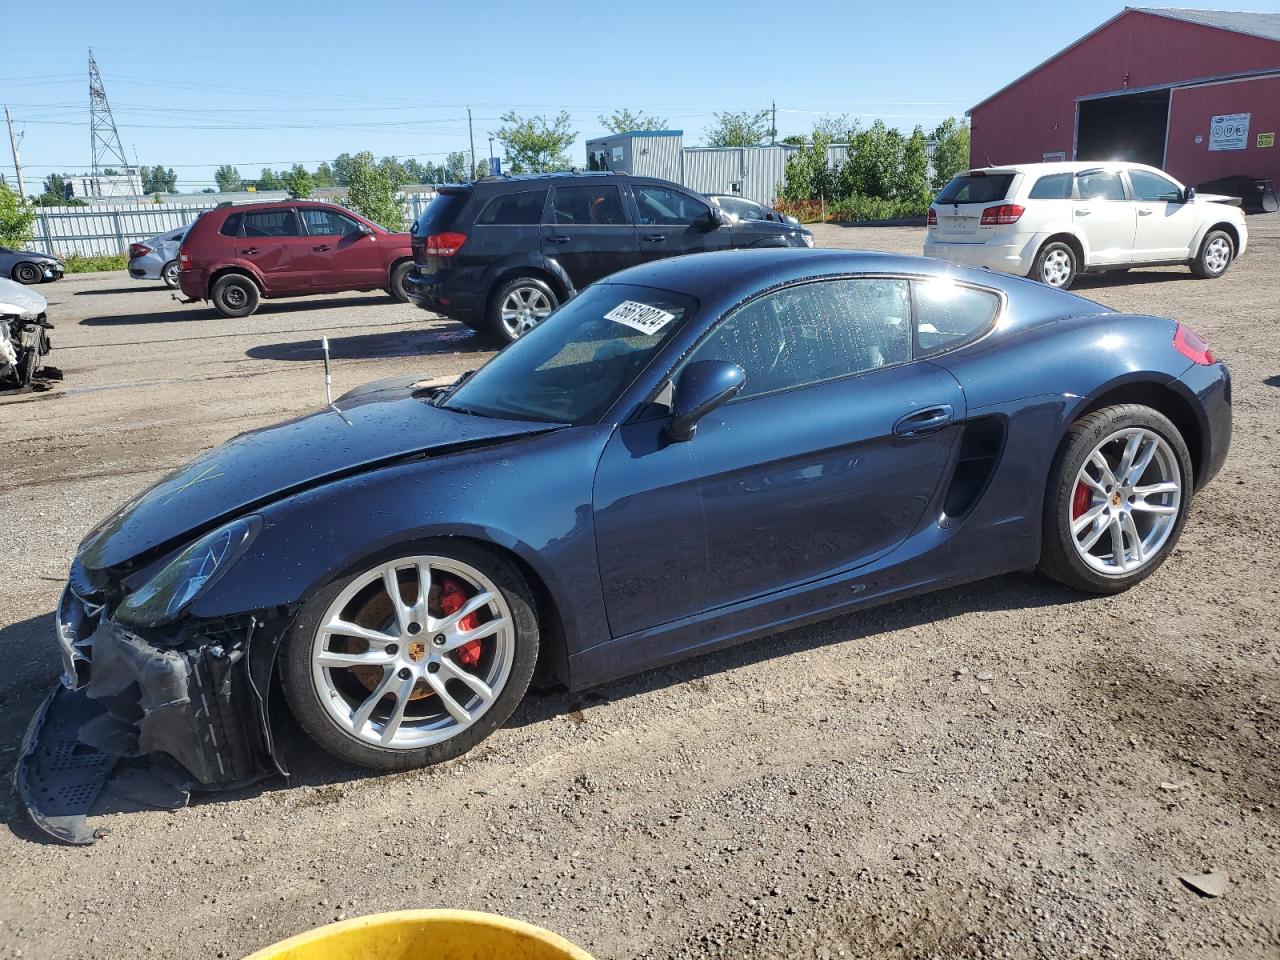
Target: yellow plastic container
x,y
425,935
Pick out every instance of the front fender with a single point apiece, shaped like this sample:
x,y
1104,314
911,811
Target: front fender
x,y
531,497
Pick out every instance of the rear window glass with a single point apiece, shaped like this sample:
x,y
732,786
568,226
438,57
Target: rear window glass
x,y
1100,185
271,223
1055,186
948,314
440,213
519,209
231,225
976,188
598,206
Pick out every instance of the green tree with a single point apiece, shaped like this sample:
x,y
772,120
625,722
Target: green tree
x,y
416,172
745,129
15,219
808,174
795,139
913,180
394,169
342,169
950,151
624,121
268,179
158,179
323,176
55,185
455,167
372,193
228,179
535,144
298,182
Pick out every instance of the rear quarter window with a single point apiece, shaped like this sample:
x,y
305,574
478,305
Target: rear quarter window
x,y
976,188
948,314
231,225
1054,186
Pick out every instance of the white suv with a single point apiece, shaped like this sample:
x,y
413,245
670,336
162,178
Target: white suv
x,y
1051,221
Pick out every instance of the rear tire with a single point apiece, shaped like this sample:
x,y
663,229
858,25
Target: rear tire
x,y
1146,504
234,295
399,274
1056,265
518,306
169,274
1215,256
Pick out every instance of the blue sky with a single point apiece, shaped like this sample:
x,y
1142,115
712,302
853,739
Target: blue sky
x,y
197,85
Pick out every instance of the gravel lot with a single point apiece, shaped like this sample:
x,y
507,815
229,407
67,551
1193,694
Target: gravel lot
x,y
859,788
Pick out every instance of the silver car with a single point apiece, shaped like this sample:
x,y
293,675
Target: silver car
x,y
29,266
157,258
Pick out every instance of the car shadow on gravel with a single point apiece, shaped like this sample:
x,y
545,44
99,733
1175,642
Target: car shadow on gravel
x,y
32,667
143,285
1104,281
200,312
454,338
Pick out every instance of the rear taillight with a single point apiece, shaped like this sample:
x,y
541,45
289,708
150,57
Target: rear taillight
x,y
1005,213
184,258
933,217
444,244
1192,346
138,250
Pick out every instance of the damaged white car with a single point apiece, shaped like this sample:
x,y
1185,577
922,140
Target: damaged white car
x,y
24,339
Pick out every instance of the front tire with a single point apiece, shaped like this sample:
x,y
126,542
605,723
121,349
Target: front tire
x,y
1056,265
169,274
1118,494
27,274
405,681
518,306
234,295
1215,256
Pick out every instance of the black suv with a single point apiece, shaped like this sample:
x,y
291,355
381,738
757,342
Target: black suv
x,y
501,253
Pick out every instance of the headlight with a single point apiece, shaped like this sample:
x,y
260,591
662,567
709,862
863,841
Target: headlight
x,y
189,574
806,239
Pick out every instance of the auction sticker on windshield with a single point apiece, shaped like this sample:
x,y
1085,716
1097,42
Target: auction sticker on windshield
x,y
640,316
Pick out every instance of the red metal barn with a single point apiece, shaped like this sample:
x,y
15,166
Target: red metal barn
x,y
1196,92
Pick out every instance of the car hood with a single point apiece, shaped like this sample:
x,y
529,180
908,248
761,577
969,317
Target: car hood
x,y
17,300
377,427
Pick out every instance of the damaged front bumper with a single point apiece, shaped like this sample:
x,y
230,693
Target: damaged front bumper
x,y
136,721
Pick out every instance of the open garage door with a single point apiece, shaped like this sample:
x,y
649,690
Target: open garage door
x,y
1123,127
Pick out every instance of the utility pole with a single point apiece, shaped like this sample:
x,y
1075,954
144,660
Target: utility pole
x,y
17,161
472,131
773,123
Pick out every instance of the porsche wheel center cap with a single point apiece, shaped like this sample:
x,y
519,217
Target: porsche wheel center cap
x,y
417,651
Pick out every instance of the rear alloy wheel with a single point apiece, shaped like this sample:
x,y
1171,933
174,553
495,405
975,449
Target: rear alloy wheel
x,y
519,306
169,274
1216,254
413,660
1056,265
1117,499
27,273
234,295
399,287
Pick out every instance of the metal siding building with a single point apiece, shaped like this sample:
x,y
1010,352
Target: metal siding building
x,y
1145,86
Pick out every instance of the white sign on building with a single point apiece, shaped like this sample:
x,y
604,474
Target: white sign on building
x,y
1229,131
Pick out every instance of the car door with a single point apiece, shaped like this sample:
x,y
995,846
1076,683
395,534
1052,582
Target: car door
x,y
672,222
341,253
1166,225
588,232
272,241
1103,214
836,445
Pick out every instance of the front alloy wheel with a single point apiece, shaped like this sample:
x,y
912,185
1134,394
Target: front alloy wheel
x,y
414,659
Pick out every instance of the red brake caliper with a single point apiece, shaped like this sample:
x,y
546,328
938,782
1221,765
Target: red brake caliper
x,y
1079,501
451,600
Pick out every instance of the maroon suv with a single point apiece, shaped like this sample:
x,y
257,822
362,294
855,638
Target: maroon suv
x,y
234,256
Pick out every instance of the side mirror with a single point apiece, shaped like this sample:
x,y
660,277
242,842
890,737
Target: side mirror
x,y
703,386
364,230
1188,194
711,219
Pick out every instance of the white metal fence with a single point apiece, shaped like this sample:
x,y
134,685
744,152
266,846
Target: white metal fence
x,y
105,229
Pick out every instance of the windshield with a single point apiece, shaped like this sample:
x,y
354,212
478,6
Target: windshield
x,y
574,365
976,188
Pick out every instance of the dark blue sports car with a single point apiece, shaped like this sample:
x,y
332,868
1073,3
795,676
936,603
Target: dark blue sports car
x,y
689,454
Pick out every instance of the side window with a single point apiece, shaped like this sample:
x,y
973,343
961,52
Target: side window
x,y
515,208
814,332
1152,187
327,223
1100,185
271,223
1054,186
662,207
598,206
231,225
948,314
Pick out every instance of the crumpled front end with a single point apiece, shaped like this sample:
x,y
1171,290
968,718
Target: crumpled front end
x,y
142,720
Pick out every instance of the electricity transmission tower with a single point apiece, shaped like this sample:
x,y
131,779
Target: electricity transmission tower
x,y
104,139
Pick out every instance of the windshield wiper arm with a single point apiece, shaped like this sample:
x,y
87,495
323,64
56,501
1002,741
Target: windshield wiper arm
x,y
448,391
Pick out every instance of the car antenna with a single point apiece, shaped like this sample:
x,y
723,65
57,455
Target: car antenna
x,y
328,375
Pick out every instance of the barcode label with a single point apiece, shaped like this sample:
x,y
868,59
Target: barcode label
x,y
640,316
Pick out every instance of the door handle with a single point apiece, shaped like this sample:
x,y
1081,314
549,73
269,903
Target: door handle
x,y
922,422
1145,213
559,239
1083,213
251,250
322,248
654,237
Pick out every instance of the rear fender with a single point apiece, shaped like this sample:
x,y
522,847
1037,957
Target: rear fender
x,y
235,266
517,264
